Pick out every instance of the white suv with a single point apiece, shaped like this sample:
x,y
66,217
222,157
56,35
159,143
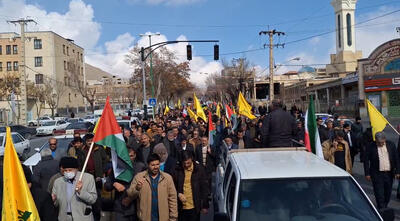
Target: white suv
x,y
283,184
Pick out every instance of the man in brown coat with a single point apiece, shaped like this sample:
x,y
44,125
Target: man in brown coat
x,y
337,151
155,193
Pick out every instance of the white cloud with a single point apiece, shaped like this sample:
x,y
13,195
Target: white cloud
x,y
372,34
77,23
111,57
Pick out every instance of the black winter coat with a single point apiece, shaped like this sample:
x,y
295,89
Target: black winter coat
x,y
279,128
44,170
200,189
44,203
371,161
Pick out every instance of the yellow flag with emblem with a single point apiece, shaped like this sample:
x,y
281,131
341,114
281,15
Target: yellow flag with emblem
x,y
18,203
244,107
378,121
192,114
179,103
166,110
199,110
218,112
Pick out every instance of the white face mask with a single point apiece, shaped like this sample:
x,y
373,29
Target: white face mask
x,y
69,175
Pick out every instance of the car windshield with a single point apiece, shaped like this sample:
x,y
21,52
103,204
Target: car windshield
x,y
77,126
89,117
62,143
49,123
123,124
319,199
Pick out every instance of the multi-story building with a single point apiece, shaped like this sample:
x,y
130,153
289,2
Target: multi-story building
x,y
50,61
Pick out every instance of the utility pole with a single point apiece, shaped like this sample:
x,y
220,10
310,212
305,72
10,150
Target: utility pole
x,y
271,46
22,79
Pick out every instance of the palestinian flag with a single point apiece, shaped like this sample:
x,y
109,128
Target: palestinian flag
x,y
311,135
231,116
211,130
109,134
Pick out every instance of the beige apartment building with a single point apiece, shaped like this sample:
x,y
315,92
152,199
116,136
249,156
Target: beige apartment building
x,y
50,61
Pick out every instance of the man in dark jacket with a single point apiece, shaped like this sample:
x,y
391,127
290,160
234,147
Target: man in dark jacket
x,y
351,139
45,169
279,127
124,210
167,163
191,185
381,164
206,156
185,145
170,143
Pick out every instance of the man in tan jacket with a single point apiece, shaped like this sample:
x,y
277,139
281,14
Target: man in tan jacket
x,y
155,193
337,151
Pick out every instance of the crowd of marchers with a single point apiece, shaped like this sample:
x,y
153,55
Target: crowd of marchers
x,y
174,157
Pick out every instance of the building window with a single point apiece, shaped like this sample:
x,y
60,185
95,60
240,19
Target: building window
x,y
67,50
15,49
65,65
37,44
9,67
339,29
349,36
15,65
66,81
69,97
8,49
1,49
73,51
39,78
38,61
1,66
81,57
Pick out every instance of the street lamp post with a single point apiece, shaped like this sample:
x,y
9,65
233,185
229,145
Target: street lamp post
x,y
151,75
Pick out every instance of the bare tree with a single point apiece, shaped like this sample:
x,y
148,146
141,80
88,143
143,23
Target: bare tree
x,y
37,93
10,88
55,90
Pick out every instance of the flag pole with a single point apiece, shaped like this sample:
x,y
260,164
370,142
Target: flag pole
x,y
395,130
86,161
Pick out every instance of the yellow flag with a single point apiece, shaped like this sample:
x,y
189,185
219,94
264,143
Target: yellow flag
x,y
192,114
218,112
244,107
166,110
199,110
18,203
179,103
378,121
97,124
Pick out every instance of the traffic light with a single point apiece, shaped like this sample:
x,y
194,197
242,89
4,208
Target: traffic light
x,y
216,52
142,53
189,52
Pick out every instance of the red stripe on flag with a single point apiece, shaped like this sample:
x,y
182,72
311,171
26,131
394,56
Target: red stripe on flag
x,y
108,124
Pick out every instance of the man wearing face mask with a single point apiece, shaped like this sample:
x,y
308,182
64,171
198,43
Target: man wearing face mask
x,y
74,198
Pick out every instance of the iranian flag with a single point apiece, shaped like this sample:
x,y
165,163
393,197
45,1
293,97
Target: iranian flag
x,y
211,130
311,136
109,134
231,115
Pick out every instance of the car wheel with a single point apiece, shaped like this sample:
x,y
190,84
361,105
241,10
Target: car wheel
x,y
53,133
31,124
28,136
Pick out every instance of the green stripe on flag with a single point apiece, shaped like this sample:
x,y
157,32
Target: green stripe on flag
x,y
112,141
312,124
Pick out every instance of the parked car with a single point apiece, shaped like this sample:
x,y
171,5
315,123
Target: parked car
x,y
26,132
74,120
80,127
323,116
62,143
49,127
268,184
125,123
21,145
39,121
91,118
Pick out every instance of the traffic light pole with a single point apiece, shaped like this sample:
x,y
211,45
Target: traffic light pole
x,y
156,46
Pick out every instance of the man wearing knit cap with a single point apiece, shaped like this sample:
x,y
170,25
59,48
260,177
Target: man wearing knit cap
x,y
74,198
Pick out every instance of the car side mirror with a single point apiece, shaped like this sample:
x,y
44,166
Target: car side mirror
x,y
221,217
37,149
387,214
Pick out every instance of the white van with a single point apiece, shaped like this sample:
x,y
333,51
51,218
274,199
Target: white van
x,y
285,184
